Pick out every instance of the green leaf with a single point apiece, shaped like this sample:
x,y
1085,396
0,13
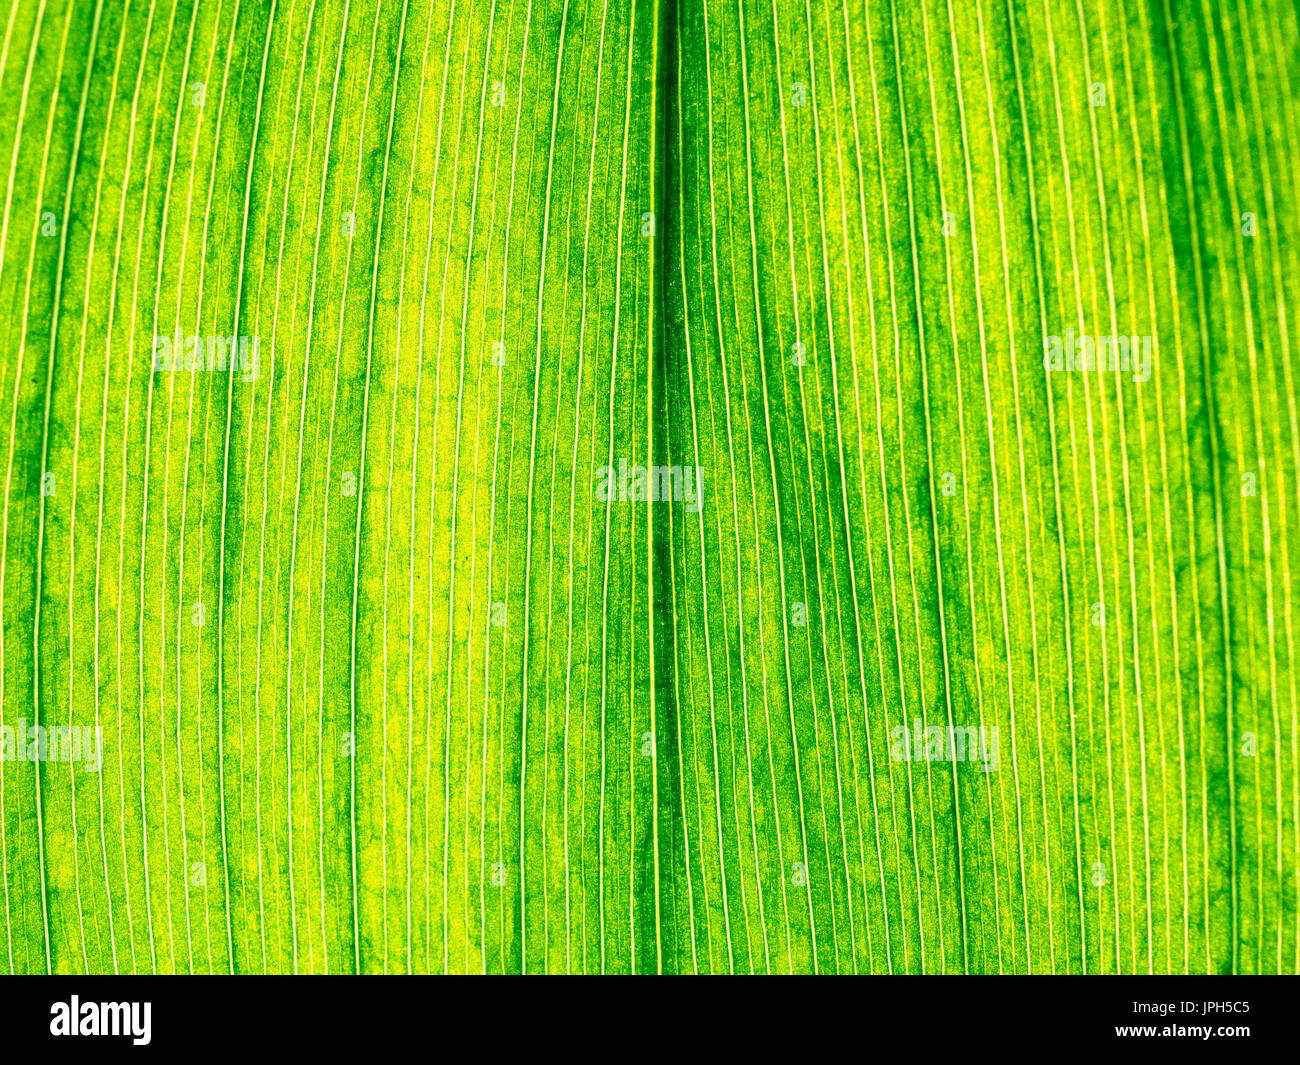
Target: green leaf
x,y
529,485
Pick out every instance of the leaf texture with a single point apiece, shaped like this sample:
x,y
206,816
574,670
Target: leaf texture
x,y
341,340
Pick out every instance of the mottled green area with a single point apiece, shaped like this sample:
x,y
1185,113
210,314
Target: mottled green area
x,y
386,685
